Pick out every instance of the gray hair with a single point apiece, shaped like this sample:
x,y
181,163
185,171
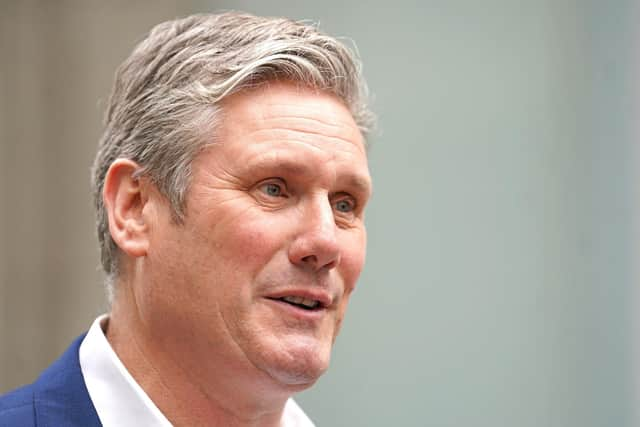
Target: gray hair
x,y
164,103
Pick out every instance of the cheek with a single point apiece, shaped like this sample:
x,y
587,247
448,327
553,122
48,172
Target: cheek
x,y
341,314
249,243
245,247
353,258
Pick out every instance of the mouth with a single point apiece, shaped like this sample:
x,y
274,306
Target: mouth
x,y
303,303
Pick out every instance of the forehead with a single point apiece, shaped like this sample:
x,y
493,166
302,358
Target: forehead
x,y
293,107
295,127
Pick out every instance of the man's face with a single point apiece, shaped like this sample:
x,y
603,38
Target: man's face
x,y
260,272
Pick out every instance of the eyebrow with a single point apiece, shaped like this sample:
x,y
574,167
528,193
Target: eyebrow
x,y
360,184
287,166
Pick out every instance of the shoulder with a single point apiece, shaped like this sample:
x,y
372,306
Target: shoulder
x,y
17,407
58,397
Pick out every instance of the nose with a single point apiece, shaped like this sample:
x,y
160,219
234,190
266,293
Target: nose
x,y
315,246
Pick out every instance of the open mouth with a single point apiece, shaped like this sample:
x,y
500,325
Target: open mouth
x,y
300,302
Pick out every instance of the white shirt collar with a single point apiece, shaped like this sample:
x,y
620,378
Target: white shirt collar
x,y
118,398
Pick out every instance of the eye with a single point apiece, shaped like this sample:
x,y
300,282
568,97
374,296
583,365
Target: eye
x,y
273,189
345,205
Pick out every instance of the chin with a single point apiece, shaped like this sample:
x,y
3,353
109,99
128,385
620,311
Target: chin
x,y
296,379
300,367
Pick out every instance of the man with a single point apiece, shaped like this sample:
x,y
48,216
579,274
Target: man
x,y
230,187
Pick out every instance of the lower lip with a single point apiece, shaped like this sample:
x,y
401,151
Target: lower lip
x,y
296,312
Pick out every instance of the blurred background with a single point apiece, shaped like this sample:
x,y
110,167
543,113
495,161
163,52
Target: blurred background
x,y
500,287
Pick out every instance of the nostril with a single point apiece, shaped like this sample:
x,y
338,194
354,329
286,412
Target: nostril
x,y
311,252
310,259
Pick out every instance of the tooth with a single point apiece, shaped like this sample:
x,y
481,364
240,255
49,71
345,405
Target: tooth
x,y
308,302
294,299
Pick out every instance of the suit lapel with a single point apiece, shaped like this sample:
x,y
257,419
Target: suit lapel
x,y
61,398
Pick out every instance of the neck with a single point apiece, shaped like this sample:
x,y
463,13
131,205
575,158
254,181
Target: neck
x,y
220,392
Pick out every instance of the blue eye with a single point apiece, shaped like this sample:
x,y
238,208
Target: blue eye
x,y
272,189
344,205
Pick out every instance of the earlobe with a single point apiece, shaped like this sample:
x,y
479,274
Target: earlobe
x,y
124,198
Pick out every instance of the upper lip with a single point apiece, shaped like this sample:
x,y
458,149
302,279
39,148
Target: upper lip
x,y
323,297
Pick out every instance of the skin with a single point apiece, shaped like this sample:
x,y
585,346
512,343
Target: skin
x,y
275,208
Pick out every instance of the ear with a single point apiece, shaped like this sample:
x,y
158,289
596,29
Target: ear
x,y
124,199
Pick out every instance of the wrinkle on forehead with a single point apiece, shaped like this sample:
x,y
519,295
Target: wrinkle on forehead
x,y
302,110
297,111
331,146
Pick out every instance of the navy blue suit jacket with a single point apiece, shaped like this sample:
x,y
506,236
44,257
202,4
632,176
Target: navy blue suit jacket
x,y
58,398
